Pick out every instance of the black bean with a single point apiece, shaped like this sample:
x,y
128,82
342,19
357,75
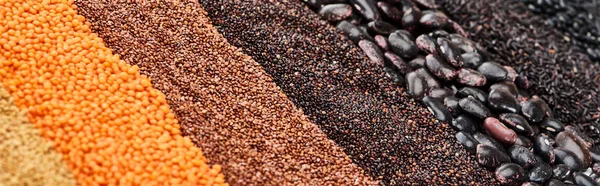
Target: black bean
x,y
529,184
352,31
467,140
522,82
532,110
335,12
506,85
438,67
367,8
463,44
394,75
417,62
517,123
439,33
372,51
568,158
381,27
543,148
471,60
503,101
555,182
427,44
389,11
491,157
493,71
568,141
511,74
397,62
440,93
551,125
449,52
416,85
595,153
382,42
522,156
476,93
428,77
465,123
438,110
474,107
471,77
426,3
451,104
410,18
584,180
561,171
434,20
540,173
523,141
510,174
402,44
489,141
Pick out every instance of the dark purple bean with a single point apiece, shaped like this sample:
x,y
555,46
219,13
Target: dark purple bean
x,y
382,42
381,27
463,44
555,182
416,85
522,156
451,104
595,153
511,74
314,4
491,157
493,71
438,67
534,109
584,180
434,19
474,107
503,101
540,173
471,60
467,140
438,110
418,62
439,33
353,32
402,44
476,93
510,174
568,158
372,51
389,11
551,125
506,85
518,123
410,18
367,8
430,4
596,167
449,52
335,12
581,136
427,44
489,141
568,141
471,77
561,171
394,75
440,93
522,82
498,131
523,141
543,148
464,123
428,77
397,62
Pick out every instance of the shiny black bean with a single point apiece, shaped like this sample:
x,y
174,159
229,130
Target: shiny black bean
x,y
397,62
465,123
474,107
489,141
534,109
381,27
417,62
352,31
438,67
568,158
410,18
472,92
493,71
543,148
439,33
503,101
518,123
511,74
463,44
367,8
522,82
595,153
555,182
523,141
568,141
389,11
551,125
372,51
540,173
401,42
416,85
451,104
471,77
506,85
440,93
434,19
438,110
430,4
428,77
509,174
491,157
394,75
427,44
467,140
449,52
561,171
521,156
471,60
584,180
335,12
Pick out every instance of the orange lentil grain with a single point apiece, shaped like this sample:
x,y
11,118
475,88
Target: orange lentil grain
x,y
111,126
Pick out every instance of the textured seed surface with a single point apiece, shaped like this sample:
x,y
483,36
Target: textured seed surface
x,y
26,158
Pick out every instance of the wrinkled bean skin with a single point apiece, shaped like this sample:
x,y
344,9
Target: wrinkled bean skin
x,y
493,71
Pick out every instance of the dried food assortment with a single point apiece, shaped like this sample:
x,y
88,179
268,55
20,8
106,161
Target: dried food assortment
x,y
302,92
